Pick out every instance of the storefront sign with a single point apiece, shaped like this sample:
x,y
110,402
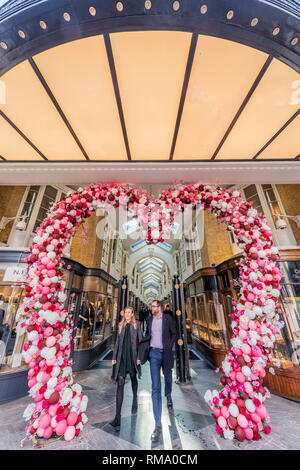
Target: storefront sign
x,y
14,274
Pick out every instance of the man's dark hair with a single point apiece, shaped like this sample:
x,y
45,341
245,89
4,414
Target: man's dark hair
x,y
159,304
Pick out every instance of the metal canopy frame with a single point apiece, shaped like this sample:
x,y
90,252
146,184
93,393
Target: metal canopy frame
x,y
29,27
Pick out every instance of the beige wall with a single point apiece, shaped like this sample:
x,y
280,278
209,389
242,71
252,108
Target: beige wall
x,y
217,246
290,198
89,254
10,200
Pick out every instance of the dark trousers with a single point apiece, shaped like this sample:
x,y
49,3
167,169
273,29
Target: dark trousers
x,y
156,361
120,392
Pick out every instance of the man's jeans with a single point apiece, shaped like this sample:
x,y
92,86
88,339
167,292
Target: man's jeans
x,y
156,360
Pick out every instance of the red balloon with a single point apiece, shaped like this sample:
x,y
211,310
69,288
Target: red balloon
x,y
54,397
232,421
239,433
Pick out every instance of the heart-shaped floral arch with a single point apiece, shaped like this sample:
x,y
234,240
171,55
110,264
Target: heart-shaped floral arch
x,y
238,407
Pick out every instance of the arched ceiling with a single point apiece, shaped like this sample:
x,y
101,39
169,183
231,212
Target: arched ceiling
x,y
144,94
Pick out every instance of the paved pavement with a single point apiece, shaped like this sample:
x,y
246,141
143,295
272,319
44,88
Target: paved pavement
x,y
189,426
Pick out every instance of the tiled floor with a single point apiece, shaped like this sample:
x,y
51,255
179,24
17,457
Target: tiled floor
x,y
189,427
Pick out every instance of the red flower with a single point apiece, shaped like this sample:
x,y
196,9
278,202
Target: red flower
x,y
256,402
60,417
74,393
77,432
59,410
43,389
255,436
45,404
226,402
219,430
267,429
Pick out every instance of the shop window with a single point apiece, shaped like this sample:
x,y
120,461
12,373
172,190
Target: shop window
x,y
271,200
30,202
49,197
12,336
251,195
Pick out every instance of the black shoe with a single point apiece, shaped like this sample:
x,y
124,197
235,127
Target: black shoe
x,y
134,407
155,436
169,402
116,423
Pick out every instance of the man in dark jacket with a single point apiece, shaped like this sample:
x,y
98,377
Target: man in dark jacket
x,y
168,310
161,336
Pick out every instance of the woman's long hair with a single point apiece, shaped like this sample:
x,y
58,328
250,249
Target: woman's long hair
x,y
132,320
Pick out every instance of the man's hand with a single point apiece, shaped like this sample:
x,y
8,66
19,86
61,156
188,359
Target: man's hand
x,y
114,362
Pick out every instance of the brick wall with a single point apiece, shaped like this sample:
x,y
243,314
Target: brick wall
x,y
10,200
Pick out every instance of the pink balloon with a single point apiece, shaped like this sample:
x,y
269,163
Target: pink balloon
x,y
69,433
32,382
45,378
50,341
242,421
45,290
72,418
51,362
51,273
40,432
261,411
61,427
52,409
243,334
224,411
246,348
233,395
59,387
255,418
39,406
222,422
260,426
38,396
56,371
248,387
45,421
48,331
248,433
217,412
45,260
240,377
48,432
232,375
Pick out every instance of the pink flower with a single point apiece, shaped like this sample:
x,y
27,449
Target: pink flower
x,y
215,400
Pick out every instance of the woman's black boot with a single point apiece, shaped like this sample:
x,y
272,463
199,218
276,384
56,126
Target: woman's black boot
x,y
134,407
116,423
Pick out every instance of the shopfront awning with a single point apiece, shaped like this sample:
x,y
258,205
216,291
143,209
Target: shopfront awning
x,y
142,92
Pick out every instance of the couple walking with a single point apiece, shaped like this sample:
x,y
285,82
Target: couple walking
x,y
133,349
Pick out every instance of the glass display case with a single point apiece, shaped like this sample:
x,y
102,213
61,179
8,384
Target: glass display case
x,y
95,312
207,314
287,346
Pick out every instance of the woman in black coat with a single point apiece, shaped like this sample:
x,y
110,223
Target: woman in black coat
x,y
125,360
